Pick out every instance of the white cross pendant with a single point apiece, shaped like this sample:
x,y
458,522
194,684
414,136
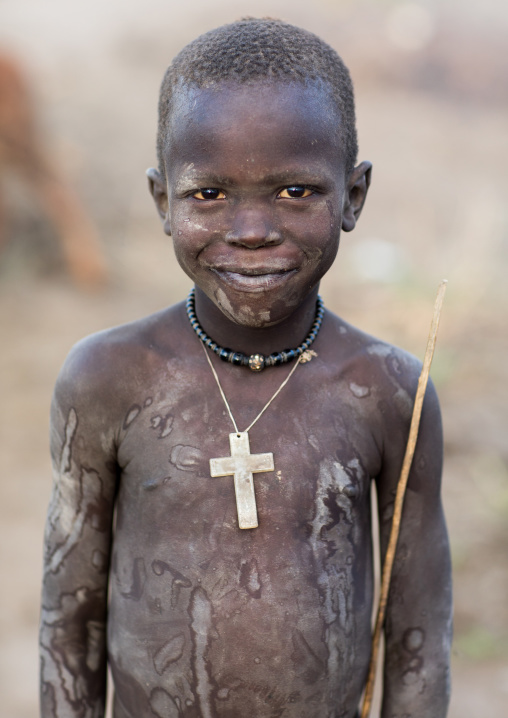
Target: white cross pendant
x,y
242,464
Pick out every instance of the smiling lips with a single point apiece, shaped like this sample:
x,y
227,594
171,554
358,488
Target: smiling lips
x,y
254,279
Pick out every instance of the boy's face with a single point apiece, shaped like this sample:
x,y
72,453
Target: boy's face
x,y
256,195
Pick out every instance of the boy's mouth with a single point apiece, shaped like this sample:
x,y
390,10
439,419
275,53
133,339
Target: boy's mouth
x,y
254,279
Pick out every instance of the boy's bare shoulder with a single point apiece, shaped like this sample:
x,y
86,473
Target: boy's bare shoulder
x,y
374,367
379,381
105,364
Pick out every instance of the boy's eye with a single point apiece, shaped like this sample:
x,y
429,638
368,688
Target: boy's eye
x,y
209,193
296,191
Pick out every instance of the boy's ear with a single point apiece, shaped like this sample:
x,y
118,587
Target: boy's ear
x,y
159,192
356,191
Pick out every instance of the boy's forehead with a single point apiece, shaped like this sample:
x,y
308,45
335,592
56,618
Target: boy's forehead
x,y
234,107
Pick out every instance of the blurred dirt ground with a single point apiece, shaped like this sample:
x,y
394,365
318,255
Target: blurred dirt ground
x,y
432,99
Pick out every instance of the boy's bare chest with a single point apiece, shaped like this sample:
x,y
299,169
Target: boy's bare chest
x,y
183,457
309,463
290,598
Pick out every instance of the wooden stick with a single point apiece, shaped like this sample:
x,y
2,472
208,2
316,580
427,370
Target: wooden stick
x,y
399,498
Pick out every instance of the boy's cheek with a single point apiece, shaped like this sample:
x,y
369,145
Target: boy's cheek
x,y
186,252
191,223
191,251
322,220
191,233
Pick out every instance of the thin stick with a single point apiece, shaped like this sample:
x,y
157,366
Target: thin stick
x,y
399,498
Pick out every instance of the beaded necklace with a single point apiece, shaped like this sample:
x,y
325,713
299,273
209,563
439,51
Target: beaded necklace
x,y
255,362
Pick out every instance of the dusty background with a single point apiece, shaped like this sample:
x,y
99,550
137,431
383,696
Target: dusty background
x,y
432,91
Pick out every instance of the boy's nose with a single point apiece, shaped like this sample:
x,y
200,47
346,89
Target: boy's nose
x,y
252,228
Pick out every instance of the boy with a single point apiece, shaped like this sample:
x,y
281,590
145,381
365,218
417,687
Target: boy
x,y
259,606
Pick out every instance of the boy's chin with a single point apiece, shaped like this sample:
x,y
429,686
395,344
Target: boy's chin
x,y
243,313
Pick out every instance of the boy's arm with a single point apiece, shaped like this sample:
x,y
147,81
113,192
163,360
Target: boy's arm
x,y
77,545
418,626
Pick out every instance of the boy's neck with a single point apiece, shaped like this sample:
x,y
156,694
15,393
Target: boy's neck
x,y
287,334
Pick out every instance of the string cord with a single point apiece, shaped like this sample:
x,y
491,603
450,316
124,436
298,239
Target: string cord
x,y
281,387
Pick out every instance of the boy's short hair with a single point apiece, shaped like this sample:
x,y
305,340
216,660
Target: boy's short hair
x,y
254,49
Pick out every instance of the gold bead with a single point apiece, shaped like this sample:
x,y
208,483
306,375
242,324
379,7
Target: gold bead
x,y
256,362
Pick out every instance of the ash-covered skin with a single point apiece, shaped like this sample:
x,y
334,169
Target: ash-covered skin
x,y
206,620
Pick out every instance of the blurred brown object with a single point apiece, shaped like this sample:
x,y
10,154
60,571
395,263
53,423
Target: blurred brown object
x,y
21,151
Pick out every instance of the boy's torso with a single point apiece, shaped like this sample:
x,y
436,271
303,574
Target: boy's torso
x,y
209,620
